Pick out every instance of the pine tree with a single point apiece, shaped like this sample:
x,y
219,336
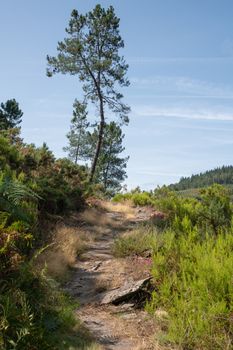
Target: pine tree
x,y
111,168
10,115
77,133
91,51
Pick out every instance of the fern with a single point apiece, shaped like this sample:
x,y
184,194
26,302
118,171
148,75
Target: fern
x,y
13,199
16,192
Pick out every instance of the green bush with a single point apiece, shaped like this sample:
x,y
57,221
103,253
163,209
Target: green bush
x,y
192,265
120,197
193,268
142,199
33,311
137,242
137,198
193,282
211,212
214,212
34,314
9,155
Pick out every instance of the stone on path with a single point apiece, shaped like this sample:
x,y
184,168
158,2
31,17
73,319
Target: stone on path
x,y
129,291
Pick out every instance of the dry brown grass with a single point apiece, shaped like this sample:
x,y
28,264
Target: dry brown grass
x,y
126,208
98,220
68,244
94,217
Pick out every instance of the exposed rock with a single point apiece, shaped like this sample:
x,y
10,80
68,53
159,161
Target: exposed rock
x,y
131,290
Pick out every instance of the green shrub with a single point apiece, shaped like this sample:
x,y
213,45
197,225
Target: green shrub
x,y
136,242
215,212
9,155
33,311
120,197
34,314
192,265
142,199
137,198
193,283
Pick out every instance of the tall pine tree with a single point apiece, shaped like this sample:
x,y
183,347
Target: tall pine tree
x,y
91,51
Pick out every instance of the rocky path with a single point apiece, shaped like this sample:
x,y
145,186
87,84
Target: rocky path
x,y
119,327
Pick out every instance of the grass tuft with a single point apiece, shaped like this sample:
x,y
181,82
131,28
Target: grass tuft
x,y
136,242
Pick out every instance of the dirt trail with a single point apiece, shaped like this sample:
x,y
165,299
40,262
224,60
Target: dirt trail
x,y
114,327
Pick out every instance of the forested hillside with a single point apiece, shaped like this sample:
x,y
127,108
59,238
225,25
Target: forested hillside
x,y
222,176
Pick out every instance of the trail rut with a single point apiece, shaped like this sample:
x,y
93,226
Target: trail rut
x,y
114,327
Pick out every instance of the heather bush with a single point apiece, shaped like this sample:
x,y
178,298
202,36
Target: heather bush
x,y
192,265
193,284
215,210
192,270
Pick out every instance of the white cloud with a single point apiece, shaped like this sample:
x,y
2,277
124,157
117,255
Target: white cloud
x,y
187,113
183,87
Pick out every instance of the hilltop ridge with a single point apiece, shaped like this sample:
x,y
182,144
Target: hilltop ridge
x,y
221,175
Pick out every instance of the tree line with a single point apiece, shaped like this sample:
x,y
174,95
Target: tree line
x,y
222,175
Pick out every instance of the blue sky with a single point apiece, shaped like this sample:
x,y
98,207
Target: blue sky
x,y
180,55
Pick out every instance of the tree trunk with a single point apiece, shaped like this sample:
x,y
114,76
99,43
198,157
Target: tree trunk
x,y
107,168
77,149
99,143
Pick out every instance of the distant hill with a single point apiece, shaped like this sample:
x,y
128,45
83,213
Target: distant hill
x,y
223,176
